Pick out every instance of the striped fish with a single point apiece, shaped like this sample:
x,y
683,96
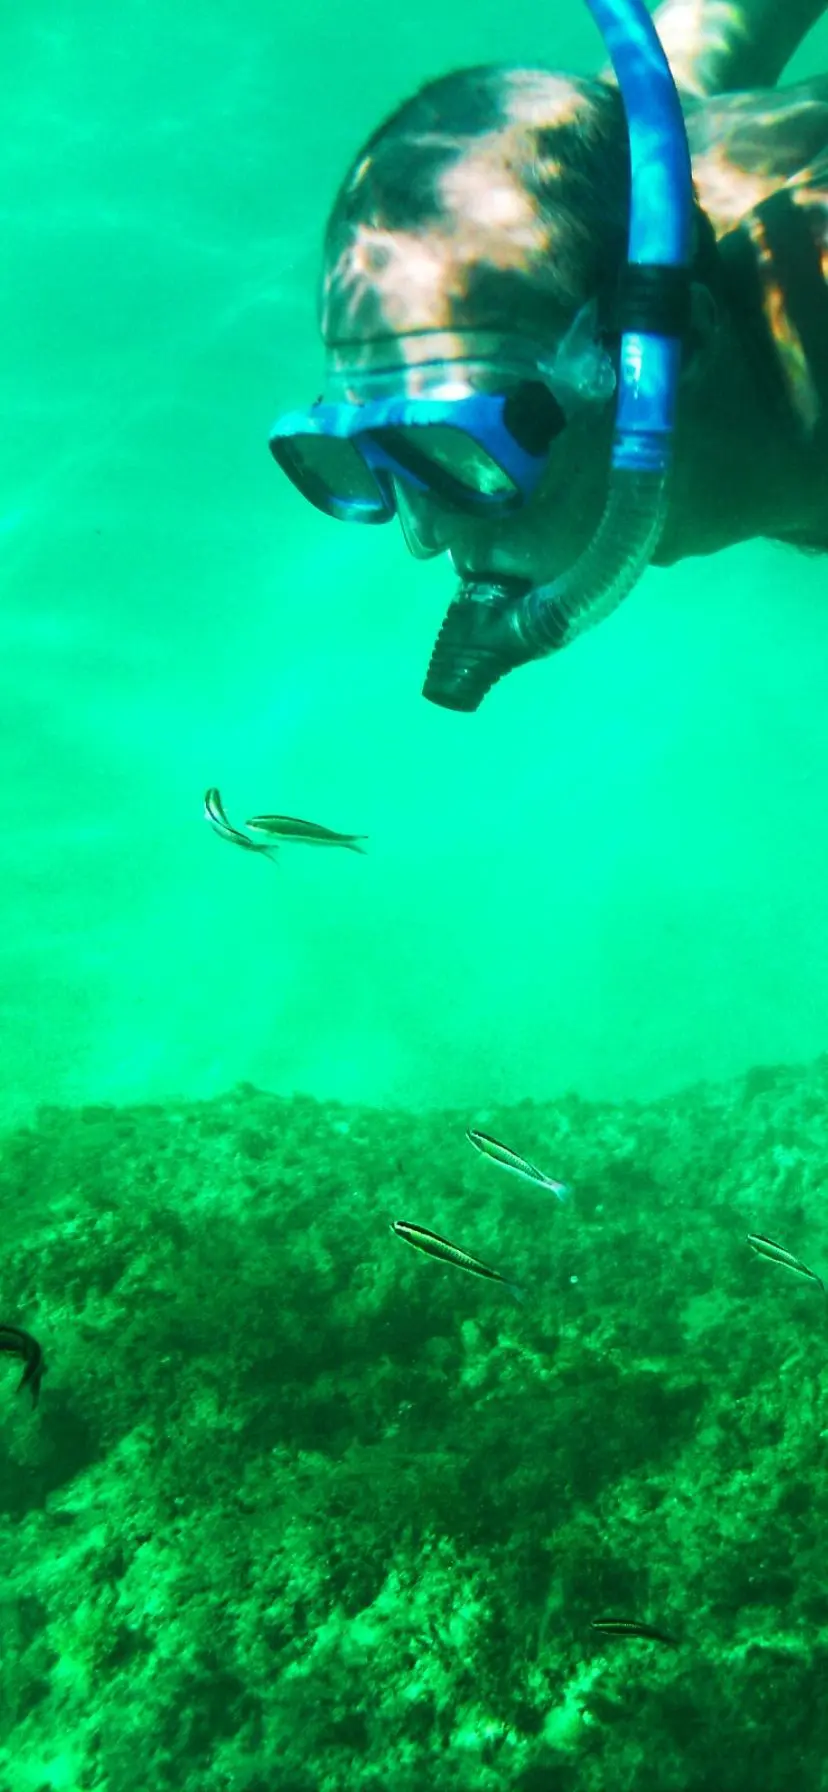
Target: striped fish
x,y
775,1253
214,812
308,833
633,1627
509,1160
435,1246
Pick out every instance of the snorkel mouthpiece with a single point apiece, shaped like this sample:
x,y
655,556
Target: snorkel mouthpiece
x,y
496,624
477,643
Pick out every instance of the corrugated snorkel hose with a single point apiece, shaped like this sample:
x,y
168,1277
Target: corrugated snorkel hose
x,y
652,316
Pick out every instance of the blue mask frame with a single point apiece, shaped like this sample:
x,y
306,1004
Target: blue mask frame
x,y
482,417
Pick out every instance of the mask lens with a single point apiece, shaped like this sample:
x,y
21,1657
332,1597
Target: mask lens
x,y
448,461
328,467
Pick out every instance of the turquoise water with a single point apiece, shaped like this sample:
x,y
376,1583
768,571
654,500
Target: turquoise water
x,y
610,878
298,1510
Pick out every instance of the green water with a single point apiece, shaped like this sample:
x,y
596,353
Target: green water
x,y
605,888
610,878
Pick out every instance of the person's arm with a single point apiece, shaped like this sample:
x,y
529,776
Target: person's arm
x,y
726,46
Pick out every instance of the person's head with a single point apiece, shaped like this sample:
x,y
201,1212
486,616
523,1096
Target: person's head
x,y
478,313
474,228
494,199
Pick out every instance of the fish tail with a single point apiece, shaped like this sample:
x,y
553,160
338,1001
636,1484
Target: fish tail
x,y
31,1380
516,1292
354,846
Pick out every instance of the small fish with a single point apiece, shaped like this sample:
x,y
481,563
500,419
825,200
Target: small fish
x,y
633,1627
307,833
509,1160
765,1247
214,812
435,1246
15,1342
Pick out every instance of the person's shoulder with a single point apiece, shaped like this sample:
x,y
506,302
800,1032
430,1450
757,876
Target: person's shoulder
x,y
746,146
760,167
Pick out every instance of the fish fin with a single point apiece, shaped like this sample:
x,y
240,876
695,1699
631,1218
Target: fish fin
x,y
353,845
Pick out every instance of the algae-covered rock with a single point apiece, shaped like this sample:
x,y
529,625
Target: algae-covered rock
x,y
301,1510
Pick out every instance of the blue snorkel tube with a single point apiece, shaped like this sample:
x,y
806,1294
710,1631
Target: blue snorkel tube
x,y
495,625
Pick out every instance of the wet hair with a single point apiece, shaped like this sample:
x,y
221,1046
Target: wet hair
x,y
495,198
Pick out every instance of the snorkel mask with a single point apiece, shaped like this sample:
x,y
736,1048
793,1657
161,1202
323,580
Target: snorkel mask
x,y
477,432
471,430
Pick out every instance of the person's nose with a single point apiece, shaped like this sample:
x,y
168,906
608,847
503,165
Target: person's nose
x,y
428,527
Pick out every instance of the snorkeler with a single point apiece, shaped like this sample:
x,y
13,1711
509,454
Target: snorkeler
x,y
574,326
